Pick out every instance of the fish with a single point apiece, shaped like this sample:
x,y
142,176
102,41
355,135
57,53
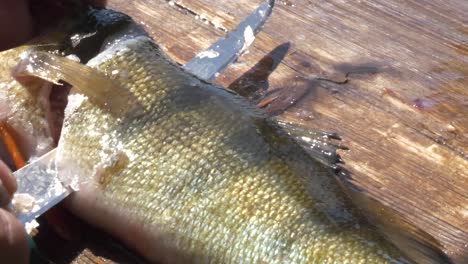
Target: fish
x,y
182,170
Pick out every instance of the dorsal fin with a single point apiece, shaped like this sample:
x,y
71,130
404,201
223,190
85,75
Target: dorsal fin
x,y
320,145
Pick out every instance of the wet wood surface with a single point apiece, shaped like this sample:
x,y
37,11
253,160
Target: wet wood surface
x,y
390,76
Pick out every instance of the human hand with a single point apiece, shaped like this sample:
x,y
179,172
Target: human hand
x,y
13,239
16,22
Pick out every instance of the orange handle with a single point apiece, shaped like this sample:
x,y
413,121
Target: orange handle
x,y
12,147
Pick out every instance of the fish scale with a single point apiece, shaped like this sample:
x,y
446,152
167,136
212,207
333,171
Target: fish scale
x,y
201,172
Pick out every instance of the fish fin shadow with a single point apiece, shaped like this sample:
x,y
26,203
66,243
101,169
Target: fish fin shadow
x,y
253,84
278,100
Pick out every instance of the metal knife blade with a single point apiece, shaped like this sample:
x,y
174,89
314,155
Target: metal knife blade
x,y
208,63
39,188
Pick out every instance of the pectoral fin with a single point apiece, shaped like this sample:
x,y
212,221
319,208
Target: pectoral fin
x,y
100,89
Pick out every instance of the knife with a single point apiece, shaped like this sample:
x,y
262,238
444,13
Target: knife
x,y
208,63
39,188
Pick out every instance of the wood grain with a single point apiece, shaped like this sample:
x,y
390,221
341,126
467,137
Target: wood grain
x,y
390,76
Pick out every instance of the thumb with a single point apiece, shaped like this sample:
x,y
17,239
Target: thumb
x,y
13,241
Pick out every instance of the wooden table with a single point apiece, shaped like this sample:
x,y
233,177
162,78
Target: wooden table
x,y
390,76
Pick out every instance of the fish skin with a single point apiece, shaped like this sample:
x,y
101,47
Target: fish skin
x,y
197,174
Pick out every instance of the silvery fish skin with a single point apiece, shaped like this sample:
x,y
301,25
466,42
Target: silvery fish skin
x,y
188,171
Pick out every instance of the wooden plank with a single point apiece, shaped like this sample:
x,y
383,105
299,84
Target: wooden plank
x,y
388,75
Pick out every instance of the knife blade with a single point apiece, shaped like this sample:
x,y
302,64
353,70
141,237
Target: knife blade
x,y
208,63
39,187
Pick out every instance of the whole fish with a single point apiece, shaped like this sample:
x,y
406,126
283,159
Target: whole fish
x,y
184,171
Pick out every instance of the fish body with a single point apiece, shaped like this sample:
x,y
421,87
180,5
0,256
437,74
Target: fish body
x,y
200,173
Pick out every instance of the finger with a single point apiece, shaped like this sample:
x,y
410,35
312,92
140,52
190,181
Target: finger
x,y
13,242
7,184
7,179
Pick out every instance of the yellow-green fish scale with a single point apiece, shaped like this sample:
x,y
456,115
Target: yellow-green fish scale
x,y
197,167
